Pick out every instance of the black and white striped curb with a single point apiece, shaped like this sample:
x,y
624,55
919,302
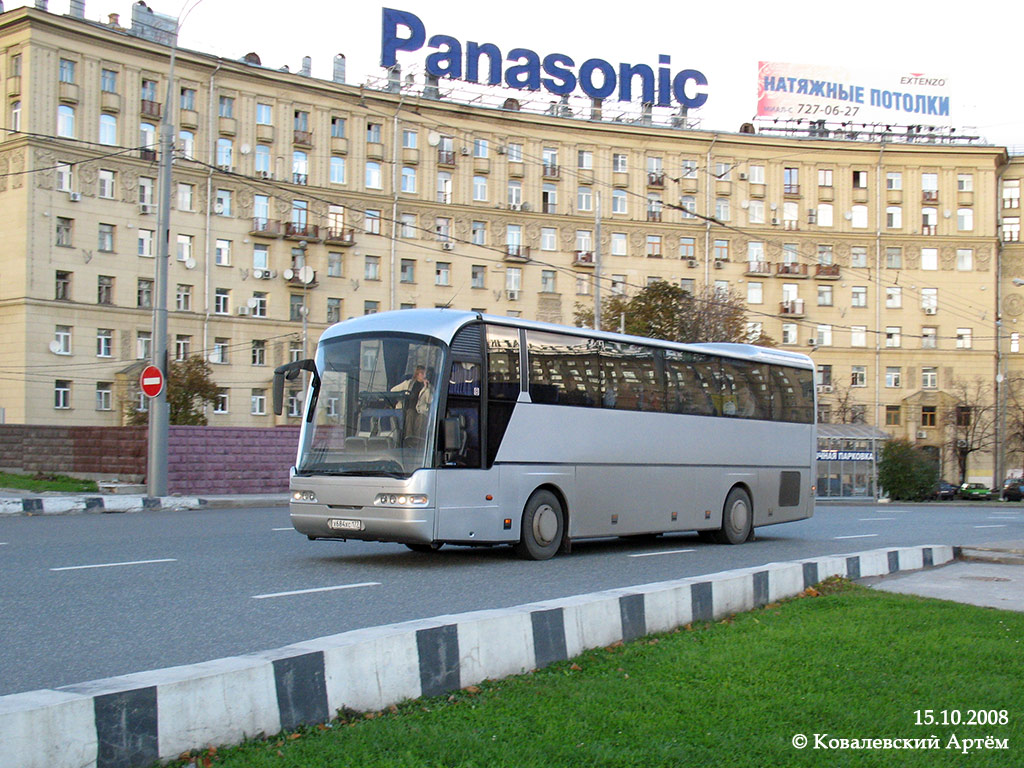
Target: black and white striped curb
x,y
136,720
64,505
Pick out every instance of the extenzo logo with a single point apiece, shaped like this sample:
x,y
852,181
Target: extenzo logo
x,y
920,79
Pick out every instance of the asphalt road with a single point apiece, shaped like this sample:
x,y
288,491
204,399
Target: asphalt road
x,y
92,596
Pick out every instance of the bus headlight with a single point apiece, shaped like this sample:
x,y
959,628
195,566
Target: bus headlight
x,y
304,496
401,500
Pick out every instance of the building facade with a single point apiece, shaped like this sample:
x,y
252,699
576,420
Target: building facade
x,y
299,202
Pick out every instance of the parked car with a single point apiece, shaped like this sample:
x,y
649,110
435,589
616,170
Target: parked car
x,y
1013,490
944,491
975,492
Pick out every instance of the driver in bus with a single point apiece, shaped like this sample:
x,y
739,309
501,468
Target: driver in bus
x,y
417,389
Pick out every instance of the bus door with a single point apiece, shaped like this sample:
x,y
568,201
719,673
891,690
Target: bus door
x,y
467,492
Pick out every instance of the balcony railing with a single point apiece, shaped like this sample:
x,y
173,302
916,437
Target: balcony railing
x,y
827,271
551,172
792,308
930,195
759,267
584,259
339,236
655,179
265,227
653,215
792,270
300,178
793,190
446,157
517,252
301,231
150,109
303,137
929,229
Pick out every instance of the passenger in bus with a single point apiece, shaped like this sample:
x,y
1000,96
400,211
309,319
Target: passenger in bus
x,y
417,400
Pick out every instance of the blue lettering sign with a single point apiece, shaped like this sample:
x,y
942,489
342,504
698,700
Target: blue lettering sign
x,y
597,78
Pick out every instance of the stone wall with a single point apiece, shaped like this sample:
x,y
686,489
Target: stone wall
x,y
200,459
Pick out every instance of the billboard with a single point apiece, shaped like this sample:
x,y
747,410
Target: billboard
x,y
839,95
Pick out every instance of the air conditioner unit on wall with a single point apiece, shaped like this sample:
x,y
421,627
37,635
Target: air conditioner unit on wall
x,y
448,246
75,197
692,263
243,310
921,434
719,265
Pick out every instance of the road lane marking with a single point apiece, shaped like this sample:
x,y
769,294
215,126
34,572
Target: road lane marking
x,y
990,526
289,528
113,565
871,519
316,589
857,536
666,552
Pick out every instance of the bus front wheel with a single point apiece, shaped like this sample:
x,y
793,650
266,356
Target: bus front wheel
x,y
737,518
543,527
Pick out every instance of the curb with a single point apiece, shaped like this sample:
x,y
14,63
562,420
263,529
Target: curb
x,y
135,720
63,505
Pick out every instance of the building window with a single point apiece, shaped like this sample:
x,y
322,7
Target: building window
x,y
894,180
478,276
584,199
374,180
226,106
408,179
547,281
721,250
337,171
824,295
965,259
371,307
443,273
892,336
548,239
965,219
66,121
223,253
258,402
858,257
105,289
859,296
478,233
62,335
620,203
371,268
928,415
143,345
824,177
892,377
296,307
62,286
894,217
585,160
515,194
515,153
619,243
373,133
893,297
410,139
408,271
894,258
929,337
480,188
892,415
858,335
722,209
144,293
62,394
858,376
182,346
687,248
930,300
333,309
259,307
64,231
106,238
929,377
963,338
654,246
823,336
222,301
219,354
259,352
755,293
372,221
789,333
335,264
407,225
183,298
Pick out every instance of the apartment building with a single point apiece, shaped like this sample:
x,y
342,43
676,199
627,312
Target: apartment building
x,y
299,202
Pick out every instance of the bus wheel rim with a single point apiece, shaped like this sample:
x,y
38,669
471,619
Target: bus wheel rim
x,y
545,524
740,516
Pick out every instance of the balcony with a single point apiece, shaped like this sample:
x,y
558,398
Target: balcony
x,y
792,308
759,268
303,138
148,154
791,225
551,172
792,270
263,227
548,208
791,190
826,271
583,259
150,109
655,179
295,231
446,157
339,236
930,196
518,253
653,215
300,178
929,229
291,276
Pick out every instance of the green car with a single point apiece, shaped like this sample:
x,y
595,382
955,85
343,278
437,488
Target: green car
x,y
975,491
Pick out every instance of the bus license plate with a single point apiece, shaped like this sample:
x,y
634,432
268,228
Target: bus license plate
x,y
345,525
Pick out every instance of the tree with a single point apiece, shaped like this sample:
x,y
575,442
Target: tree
x,y
906,472
665,311
843,407
1015,419
190,387
969,422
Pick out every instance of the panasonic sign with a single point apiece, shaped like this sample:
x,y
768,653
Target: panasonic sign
x,y
556,73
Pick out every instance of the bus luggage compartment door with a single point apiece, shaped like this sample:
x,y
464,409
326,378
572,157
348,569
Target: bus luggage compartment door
x,y
467,506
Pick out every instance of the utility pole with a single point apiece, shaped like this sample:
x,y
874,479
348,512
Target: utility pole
x,y
159,412
597,262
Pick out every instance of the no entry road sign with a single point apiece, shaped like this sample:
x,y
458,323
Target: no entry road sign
x,y
151,381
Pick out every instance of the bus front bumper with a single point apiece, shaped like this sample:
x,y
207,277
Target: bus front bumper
x,y
402,525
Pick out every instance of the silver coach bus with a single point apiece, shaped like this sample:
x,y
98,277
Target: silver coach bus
x,y
438,426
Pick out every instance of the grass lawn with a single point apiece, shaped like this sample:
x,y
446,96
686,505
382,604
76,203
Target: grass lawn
x,y
45,482
850,662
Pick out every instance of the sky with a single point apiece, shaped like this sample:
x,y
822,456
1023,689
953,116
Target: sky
x,y
973,45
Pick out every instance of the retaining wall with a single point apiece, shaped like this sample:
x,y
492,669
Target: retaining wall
x,y
201,460
135,720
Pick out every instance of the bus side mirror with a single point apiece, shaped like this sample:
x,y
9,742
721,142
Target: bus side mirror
x,y
290,371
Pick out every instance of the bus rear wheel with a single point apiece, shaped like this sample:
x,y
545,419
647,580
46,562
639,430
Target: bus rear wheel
x,y
543,527
737,518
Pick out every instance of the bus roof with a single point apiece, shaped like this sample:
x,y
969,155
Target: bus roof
x,y
443,324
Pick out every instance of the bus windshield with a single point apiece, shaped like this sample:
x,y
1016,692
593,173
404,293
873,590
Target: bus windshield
x,y
375,408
